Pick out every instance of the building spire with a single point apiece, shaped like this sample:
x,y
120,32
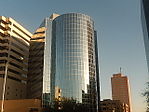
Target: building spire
x,y
120,70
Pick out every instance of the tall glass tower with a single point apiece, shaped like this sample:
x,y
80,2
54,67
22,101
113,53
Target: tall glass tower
x,y
70,59
145,25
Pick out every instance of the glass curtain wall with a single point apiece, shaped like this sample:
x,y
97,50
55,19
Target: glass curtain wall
x,y
64,61
74,72
145,25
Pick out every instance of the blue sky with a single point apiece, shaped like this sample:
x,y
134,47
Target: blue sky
x,y
119,29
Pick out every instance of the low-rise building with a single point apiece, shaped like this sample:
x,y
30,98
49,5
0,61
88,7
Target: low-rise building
x,y
108,105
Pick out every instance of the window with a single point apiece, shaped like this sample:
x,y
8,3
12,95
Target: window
x,y
2,68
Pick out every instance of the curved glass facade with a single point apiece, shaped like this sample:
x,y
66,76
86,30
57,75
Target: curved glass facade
x,y
65,47
74,73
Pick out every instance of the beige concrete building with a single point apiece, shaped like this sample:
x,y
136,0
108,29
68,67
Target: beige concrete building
x,y
121,89
24,105
14,53
108,105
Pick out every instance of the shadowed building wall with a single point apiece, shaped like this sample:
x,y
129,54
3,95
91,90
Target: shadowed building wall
x,y
108,105
39,75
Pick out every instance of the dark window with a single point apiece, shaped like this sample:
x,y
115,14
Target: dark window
x,y
2,75
16,65
16,58
13,71
16,52
3,54
3,47
4,41
2,68
13,78
3,61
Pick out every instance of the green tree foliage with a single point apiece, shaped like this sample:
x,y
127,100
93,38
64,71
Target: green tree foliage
x,y
146,94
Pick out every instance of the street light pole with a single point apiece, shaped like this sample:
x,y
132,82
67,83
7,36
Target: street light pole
x,y
4,87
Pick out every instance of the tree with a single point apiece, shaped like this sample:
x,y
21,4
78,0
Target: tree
x,y
67,105
146,94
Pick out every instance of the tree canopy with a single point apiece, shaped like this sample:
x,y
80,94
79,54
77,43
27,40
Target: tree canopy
x,y
146,94
67,105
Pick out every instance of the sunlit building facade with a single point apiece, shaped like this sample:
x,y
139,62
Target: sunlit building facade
x,y
14,53
22,105
121,89
145,26
69,58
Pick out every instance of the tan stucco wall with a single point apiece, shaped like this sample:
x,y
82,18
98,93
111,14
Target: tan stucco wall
x,y
21,105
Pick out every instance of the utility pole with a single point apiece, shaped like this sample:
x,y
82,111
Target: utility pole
x,y
4,87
